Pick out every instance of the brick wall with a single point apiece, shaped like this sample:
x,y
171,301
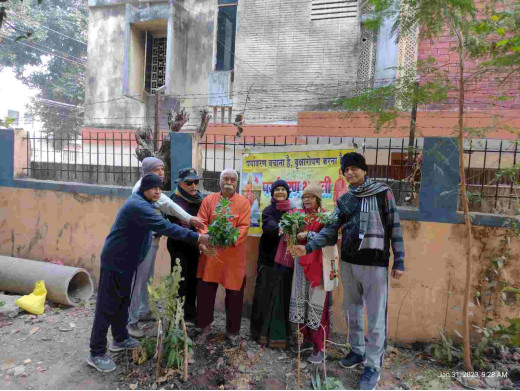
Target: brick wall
x,y
479,92
294,64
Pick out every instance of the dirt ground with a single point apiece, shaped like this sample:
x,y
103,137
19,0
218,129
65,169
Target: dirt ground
x,y
49,352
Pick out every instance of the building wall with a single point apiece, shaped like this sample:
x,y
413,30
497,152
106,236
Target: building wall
x,y
115,96
105,104
39,224
293,63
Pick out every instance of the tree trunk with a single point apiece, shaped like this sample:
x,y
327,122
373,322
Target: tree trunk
x,y
467,221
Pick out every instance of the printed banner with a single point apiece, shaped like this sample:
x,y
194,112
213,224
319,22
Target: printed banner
x,y
298,166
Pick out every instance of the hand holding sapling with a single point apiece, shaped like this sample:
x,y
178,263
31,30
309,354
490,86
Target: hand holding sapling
x,y
221,232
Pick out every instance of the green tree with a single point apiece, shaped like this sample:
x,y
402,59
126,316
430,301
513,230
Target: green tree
x,y
495,39
54,33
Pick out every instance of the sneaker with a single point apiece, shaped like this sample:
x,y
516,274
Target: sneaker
x,y
127,344
101,363
317,358
303,347
147,317
352,360
369,379
135,331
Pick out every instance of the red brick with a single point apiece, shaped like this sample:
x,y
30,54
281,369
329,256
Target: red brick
x,y
447,39
443,51
442,58
443,45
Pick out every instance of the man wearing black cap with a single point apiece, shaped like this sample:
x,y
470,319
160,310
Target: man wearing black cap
x,y
125,247
369,218
189,198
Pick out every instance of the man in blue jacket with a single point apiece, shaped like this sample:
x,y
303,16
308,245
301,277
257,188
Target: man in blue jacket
x,y
125,247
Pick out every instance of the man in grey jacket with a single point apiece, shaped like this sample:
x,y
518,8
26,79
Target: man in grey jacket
x,y
369,218
139,306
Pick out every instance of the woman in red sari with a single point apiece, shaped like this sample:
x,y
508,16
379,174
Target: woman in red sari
x,y
310,305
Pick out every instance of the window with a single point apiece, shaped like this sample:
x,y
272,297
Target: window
x,y
226,31
28,119
155,63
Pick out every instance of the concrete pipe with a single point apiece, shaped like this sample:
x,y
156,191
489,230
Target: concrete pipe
x,y
65,285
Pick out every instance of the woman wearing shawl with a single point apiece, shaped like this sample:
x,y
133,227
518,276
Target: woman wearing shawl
x,y
189,198
370,223
311,304
269,314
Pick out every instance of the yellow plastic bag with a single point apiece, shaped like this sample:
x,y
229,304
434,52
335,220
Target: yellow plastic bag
x,y
34,302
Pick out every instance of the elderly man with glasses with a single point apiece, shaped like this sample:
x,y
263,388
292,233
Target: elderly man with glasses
x,y
189,198
224,266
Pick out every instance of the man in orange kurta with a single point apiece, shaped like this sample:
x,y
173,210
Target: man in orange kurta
x,y
228,266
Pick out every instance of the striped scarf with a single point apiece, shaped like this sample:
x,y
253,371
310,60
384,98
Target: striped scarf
x,y
371,230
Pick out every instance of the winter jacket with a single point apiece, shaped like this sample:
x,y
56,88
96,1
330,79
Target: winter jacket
x,y
130,237
270,238
348,211
192,209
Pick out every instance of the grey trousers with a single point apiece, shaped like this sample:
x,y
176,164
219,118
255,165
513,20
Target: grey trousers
x,y
366,286
139,302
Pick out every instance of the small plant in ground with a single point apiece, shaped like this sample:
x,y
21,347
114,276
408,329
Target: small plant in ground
x,y
174,348
495,341
2,303
168,308
221,232
330,383
145,351
445,351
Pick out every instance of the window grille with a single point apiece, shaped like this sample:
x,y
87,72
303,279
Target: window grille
x,y
333,9
158,63
367,59
407,52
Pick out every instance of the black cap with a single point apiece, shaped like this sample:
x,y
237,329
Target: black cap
x,y
150,181
282,183
187,174
353,159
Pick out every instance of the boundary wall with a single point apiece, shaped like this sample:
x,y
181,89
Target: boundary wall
x,y
70,221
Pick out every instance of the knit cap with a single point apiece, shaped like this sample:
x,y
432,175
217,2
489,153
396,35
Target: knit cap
x,y
278,183
353,159
314,189
150,181
150,163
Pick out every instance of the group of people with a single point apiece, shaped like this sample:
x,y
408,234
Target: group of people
x,y
292,305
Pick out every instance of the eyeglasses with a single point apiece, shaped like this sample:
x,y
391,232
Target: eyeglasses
x,y
189,183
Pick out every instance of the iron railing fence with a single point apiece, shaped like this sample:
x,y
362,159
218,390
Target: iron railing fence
x,y
492,170
109,158
96,158
388,159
